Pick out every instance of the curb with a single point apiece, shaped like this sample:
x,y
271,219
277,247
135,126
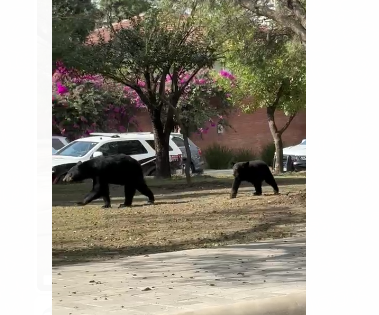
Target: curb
x,y
291,304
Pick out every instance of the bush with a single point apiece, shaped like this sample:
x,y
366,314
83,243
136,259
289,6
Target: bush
x,y
218,157
243,155
267,154
221,157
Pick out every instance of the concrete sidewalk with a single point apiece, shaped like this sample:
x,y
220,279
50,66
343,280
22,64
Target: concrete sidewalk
x,y
176,282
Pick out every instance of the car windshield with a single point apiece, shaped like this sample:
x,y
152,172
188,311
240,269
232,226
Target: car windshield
x,y
77,148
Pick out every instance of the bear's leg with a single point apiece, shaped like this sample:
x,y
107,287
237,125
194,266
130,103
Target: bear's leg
x,y
129,195
105,194
236,185
95,193
258,188
271,181
144,190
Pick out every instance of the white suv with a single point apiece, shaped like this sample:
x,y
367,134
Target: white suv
x,y
59,142
139,145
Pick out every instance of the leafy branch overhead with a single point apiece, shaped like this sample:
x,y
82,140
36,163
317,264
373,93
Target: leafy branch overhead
x,y
150,50
289,14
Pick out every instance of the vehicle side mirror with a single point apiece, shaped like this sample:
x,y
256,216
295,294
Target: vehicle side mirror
x,y
97,153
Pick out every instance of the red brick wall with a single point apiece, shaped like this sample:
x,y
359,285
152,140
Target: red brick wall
x,y
251,130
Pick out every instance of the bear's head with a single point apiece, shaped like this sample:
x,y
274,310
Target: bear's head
x,y
239,167
75,173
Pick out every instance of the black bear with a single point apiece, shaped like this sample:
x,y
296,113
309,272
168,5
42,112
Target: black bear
x,y
118,169
254,172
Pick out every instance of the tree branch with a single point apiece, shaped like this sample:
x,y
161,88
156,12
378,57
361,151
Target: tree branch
x,y
284,128
262,10
181,90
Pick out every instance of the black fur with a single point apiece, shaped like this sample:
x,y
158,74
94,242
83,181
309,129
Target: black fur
x,y
118,169
254,172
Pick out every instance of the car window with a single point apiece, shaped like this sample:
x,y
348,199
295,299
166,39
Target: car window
x,y
178,141
131,147
152,144
77,148
110,148
58,144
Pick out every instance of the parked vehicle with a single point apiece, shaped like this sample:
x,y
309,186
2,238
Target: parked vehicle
x,y
197,162
59,142
295,157
139,146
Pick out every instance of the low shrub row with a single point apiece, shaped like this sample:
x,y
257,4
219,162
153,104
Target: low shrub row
x,y
221,157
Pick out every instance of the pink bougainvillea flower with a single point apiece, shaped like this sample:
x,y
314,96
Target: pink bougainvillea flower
x,y
76,126
93,124
227,95
61,89
116,109
202,81
227,74
63,131
141,84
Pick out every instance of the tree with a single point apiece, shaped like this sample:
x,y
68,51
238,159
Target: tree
x,y
84,104
289,14
72,22
270,66
117,10
203,101
143,54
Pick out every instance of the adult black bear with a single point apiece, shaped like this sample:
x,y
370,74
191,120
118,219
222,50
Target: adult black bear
x,y
118,169
254,172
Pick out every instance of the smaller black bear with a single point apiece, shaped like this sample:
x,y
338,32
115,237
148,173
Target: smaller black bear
x,y
254,172
118,169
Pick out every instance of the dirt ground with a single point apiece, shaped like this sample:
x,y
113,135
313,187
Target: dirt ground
x,y
201,217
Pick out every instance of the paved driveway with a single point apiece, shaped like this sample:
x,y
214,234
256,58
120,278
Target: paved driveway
x,y
169,283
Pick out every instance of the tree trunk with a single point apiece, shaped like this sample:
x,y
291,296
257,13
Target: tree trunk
x,y
161,139
277,136
188,153
278,167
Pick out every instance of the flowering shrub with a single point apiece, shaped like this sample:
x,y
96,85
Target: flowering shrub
x,y
205,103
86,103
83,104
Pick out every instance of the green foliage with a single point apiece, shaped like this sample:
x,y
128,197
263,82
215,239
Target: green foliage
x,y
72,21
201,103
117,10
267,153
243,155
218,157
221,157
263,64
